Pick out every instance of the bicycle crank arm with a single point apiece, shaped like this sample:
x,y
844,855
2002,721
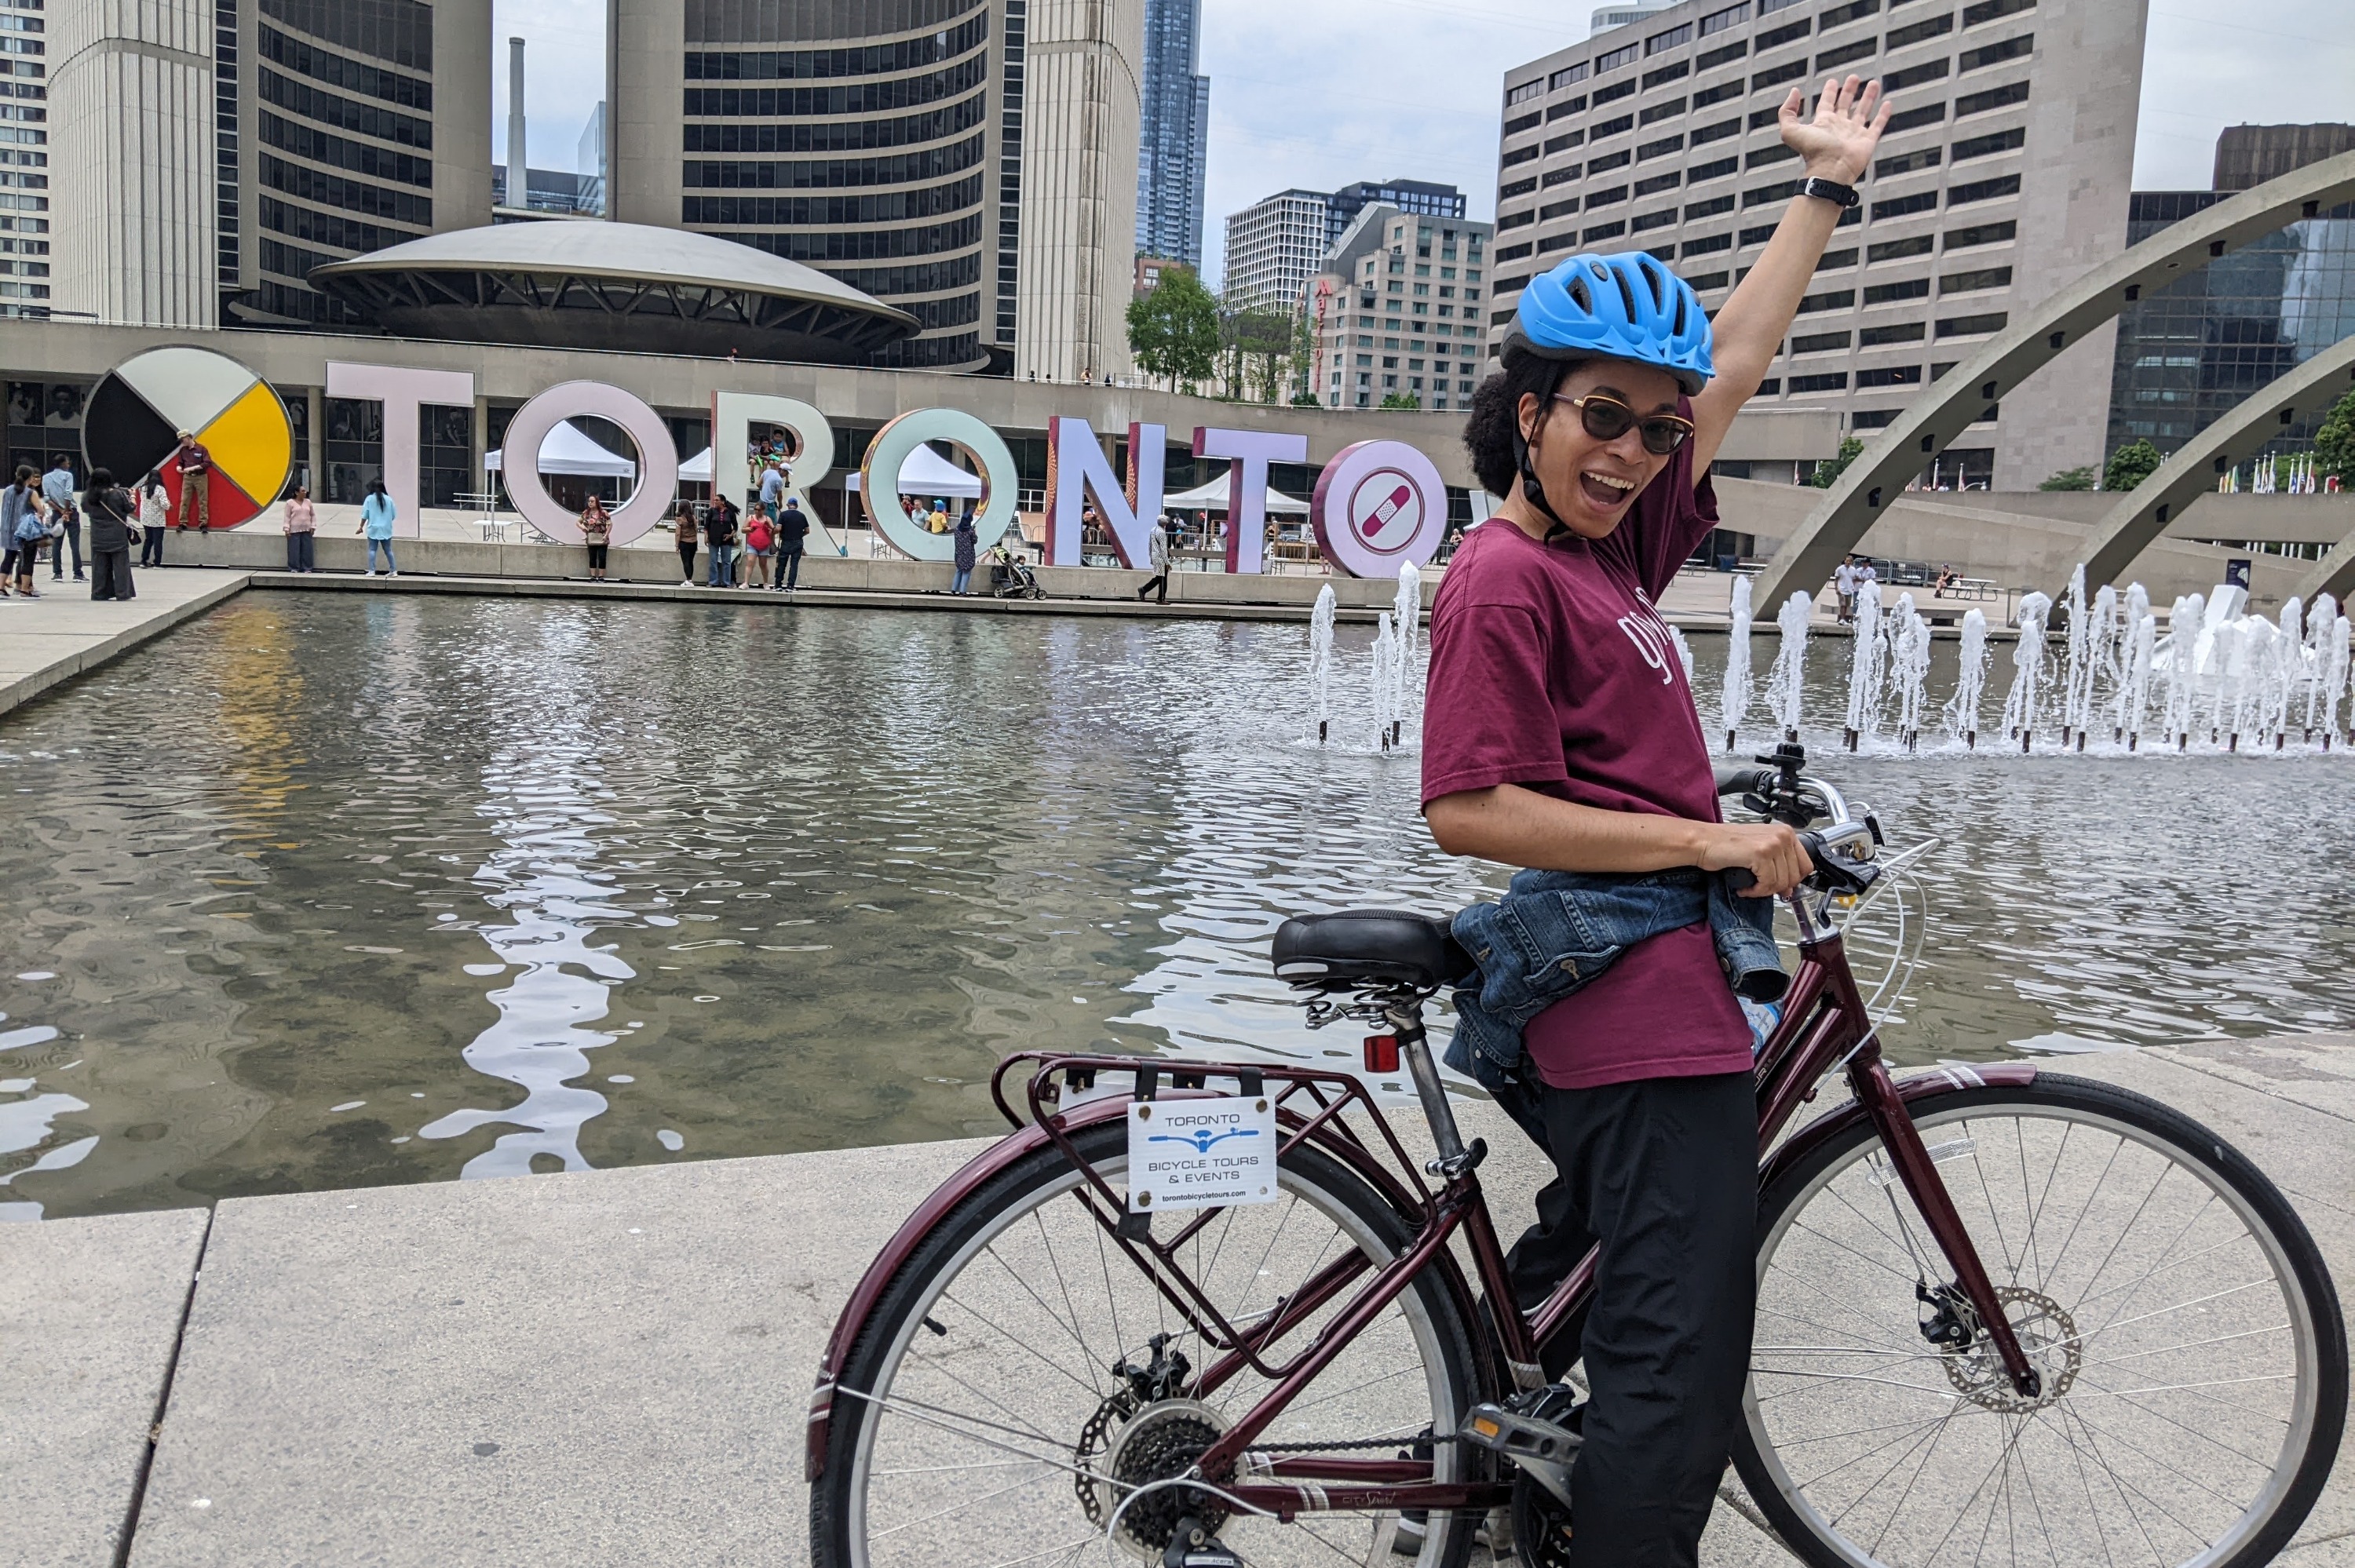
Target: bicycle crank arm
x,y
1539,1447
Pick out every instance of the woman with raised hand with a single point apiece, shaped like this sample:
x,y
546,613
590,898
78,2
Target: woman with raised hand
x,y
1560,736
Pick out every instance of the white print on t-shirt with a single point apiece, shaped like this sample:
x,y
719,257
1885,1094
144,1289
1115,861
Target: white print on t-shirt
x,y
1649,633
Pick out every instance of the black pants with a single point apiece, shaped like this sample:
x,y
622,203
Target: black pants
x,y
1160,583
151,546
789,568
1663,1172
301,550
73,541
110,573
687,559
597,556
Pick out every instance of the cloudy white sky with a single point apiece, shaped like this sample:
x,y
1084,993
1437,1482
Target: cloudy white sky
x,y
1317,93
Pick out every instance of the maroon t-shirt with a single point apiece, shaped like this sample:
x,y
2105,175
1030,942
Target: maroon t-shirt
x,y
1550,669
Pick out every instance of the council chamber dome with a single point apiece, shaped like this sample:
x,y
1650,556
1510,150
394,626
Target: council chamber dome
x,y
625,286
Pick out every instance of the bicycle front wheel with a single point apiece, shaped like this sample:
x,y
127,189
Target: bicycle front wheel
x,y
2188,1340
1023,1382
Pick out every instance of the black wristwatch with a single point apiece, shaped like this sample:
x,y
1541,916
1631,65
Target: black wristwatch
x,y
1832,191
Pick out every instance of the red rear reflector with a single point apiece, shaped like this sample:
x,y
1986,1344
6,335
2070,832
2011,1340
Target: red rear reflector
x,y
1381,1053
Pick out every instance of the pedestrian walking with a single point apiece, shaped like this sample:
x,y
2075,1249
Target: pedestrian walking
x,y
195,466
683,526
110,510
761,541
302,531
720,536
25,523
155,516
967,537
1158,558
376,514
65,518
597,533
793,534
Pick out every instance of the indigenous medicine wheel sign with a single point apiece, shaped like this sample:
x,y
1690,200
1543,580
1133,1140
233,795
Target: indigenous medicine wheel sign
x,y
1200,1154
135,414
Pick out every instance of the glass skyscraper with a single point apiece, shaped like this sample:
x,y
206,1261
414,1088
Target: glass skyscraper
x,y
1173,143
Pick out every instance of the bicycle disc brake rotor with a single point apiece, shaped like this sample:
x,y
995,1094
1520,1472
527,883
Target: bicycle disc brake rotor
x,y
1160,1443
2046,1332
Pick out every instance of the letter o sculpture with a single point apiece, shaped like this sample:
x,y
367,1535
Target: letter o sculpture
x,y
878,480
1379,505
658,459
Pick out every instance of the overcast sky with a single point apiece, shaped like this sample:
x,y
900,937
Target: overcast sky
x,y
1317,93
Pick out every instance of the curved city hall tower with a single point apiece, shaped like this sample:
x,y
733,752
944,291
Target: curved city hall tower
x,y
971,162
129,85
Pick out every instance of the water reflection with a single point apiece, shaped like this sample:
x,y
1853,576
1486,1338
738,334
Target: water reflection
x,y
541,1041
797,878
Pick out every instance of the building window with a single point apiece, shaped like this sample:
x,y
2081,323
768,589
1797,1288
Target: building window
x,y
1913,76
1896,331
1972,326
1773,37
1997,142
1567,75
1980,234
1831,58
1994,54
1603,231
1890,375
1675,35
1912,119
1709,58
1710,246
1983,190
1718,21
1915,32
1898,206
1982,278
1612,59
1524,92
1906,163
1830,300
1831,381
1993,97
1884,294
1819,343
1988,10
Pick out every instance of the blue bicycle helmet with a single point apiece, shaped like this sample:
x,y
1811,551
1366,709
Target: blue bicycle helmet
x,y
1624,307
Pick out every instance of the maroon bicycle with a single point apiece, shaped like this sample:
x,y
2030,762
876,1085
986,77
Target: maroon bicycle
x,y
2004,1316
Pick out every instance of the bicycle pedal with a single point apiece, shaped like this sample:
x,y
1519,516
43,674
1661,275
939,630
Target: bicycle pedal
x,y
1540,1449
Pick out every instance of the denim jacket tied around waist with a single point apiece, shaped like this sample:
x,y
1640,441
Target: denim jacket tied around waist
x,y
1554,931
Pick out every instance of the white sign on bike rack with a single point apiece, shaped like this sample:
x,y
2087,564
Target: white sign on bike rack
x,y
1200,1154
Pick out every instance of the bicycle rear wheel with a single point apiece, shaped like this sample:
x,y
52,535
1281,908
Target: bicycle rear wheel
x,y
978,1419
2193,1358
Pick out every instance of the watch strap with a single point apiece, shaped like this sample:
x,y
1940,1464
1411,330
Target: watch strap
x,y
1832,191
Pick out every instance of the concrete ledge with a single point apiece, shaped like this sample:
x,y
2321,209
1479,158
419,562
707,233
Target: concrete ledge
x,y
44,646
89,1313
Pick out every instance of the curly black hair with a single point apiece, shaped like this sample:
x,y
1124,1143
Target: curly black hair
x,y
1496,418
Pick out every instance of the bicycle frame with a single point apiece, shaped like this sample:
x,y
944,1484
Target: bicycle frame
x,y
1825,1027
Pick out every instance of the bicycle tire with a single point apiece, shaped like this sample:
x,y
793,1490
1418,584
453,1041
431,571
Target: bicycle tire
x,y
837,1501
2311,1339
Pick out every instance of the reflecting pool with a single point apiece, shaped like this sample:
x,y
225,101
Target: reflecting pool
x,y
320,891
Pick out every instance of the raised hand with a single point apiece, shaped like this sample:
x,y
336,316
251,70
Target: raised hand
x,y
1838,143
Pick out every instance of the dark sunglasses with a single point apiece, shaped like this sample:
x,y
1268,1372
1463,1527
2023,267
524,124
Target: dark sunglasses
x,y
1606,419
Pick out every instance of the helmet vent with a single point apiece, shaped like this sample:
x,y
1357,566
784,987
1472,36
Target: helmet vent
x,y
1577,291
1626,294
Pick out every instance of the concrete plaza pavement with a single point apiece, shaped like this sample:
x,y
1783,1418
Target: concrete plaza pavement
x,y
612,1368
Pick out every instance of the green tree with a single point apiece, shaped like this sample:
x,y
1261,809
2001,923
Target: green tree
x,y
1400,401
1174,330
1305,398
1828,473
2071,479
2130,465
2334,444
1255,352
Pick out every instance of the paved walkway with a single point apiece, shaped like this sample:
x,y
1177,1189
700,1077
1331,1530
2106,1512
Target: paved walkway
x,y
57,636
612,1368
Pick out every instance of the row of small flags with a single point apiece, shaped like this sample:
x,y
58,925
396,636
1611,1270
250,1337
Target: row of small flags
x,y
2268,476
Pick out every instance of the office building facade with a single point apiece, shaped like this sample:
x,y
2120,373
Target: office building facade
x,y
1173,151
971,162
351,125
1273,247
2190,352
1397,311
1420,197
1998,180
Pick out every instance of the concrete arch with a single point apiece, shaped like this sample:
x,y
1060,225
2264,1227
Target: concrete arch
x,y
1879,473
2333,574
2142,514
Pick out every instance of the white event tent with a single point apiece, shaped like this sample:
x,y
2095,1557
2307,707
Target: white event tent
x,y
927,473
1212,497
568,450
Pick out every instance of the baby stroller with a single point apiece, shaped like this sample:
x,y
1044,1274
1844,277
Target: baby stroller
x,y
1010,577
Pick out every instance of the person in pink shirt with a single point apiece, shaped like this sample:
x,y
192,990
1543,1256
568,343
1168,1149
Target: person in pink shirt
x,y
1559,734
302,531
